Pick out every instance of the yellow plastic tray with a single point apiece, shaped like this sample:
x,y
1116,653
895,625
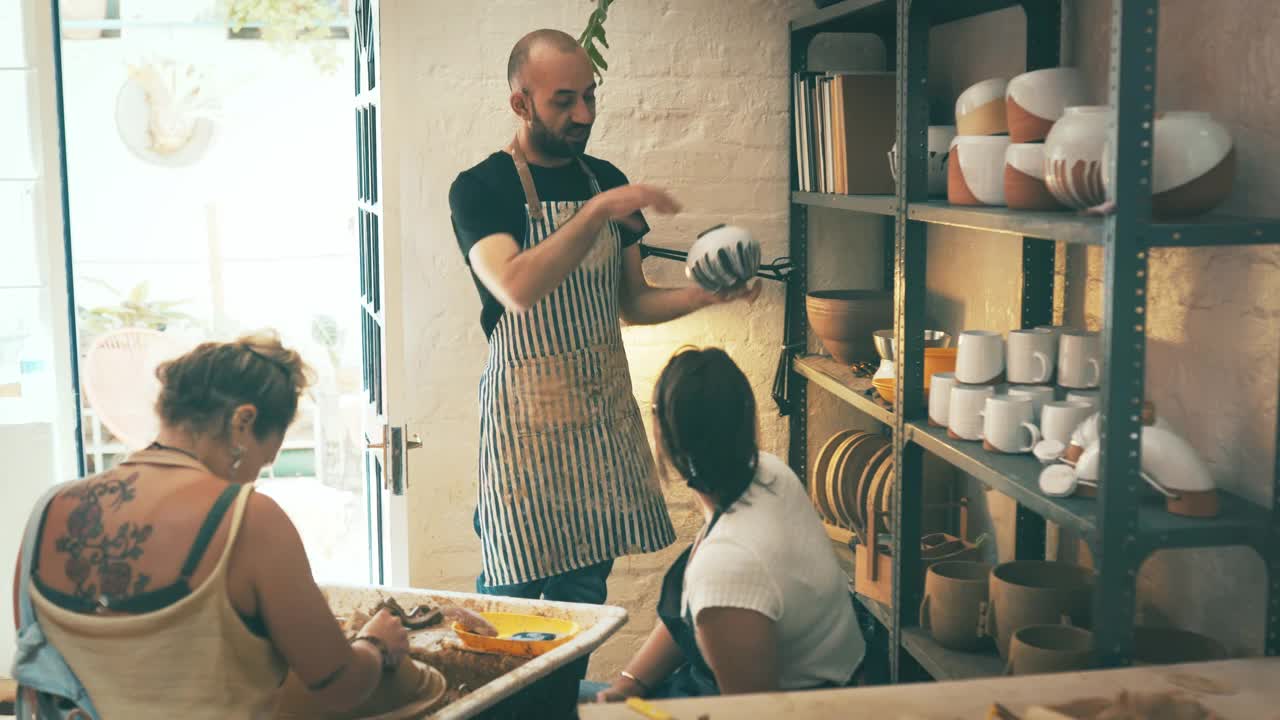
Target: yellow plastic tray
x,y
521,635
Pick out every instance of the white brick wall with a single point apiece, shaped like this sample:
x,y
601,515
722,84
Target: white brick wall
x,y
696,100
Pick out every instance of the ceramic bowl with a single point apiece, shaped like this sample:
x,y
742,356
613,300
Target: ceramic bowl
x,y
980,110
939,149
1073,155
845,319
1193,165
723,257
1035,100
1172,462
1024,187
886,346
975,170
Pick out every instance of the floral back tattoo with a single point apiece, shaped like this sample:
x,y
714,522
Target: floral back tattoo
x,y
101,563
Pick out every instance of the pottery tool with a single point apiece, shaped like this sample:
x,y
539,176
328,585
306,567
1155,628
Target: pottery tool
x,y
646,709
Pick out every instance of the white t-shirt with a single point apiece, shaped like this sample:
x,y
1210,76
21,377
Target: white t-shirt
x,y
770,554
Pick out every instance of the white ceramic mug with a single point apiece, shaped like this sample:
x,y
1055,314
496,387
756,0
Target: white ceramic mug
x,y
1079,360
979,357
1059,419
1092,398
1032,354
964,416
940,397
1005,422
1039,395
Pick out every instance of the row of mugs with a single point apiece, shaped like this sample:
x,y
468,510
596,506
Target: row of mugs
x,y
1013,422
1033,356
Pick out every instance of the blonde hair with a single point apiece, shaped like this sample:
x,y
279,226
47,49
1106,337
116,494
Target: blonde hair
x,y
200,390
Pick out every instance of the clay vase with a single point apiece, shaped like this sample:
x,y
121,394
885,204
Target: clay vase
x,y
1037,649
975,170
845,319
1168,646
955,593
1035,592
1024,187
980,110
1073,156
1035,100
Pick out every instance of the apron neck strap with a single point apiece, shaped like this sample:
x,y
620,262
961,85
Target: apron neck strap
x,y
526,178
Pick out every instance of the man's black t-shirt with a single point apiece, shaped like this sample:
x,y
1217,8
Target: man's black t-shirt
x,y
488,199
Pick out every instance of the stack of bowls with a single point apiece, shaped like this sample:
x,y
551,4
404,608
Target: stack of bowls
x,y
939,357
976,163
1034,102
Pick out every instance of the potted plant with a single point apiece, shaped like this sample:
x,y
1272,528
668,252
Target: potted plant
x,y
135,309
594,33
289,23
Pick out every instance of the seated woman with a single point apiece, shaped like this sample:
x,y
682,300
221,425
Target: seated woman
x,y
170,587
758,602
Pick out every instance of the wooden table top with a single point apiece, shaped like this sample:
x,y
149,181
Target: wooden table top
x,y
1234,689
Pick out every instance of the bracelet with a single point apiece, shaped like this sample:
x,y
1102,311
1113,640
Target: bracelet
x,y
643,685
388,664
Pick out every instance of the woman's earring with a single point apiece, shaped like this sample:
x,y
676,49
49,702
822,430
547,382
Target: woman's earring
x,y
237,454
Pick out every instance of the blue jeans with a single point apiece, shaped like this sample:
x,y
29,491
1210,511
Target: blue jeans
x,y
585,585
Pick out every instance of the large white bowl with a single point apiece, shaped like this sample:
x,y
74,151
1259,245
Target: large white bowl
x,y
723,257
1035,100
980,110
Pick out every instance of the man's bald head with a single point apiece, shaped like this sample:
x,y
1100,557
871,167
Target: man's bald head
x,y
524,49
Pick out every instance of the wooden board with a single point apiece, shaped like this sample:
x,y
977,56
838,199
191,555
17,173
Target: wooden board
x,y
1250,687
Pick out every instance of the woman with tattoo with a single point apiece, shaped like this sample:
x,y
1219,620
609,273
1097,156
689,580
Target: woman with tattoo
x,y
171,588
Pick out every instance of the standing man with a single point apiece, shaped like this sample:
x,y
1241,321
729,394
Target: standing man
x,y
551,236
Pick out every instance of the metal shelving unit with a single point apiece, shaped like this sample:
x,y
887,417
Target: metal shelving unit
x,y
1121,528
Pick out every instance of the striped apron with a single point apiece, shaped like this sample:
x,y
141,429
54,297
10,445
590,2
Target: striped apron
x,y
566,476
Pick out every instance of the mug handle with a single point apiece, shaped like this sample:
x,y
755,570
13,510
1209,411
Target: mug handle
x,y
1043,359
1008,667
986,620
924,613
1095,367
1035,436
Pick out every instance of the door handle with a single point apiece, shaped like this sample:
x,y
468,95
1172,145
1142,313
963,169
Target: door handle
x,y
394,465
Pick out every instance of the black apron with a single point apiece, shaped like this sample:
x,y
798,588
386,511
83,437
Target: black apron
x,y
694,678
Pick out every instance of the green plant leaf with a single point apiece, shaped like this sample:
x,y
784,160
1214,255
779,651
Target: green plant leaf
x,y
597,58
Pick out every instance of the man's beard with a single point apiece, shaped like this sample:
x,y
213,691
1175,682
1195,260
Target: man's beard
x,y
553,144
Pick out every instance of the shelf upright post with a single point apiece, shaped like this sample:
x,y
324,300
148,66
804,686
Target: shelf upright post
x,y
1270,552
1118,552
909,317
796,334
1044,37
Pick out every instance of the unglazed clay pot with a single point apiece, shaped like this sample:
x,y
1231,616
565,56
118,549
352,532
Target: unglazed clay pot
x,y
955,594
1035,100
1035,592
975,170
846,319
1193,165
1024,187
980,110
1073,156
939,149
1040,649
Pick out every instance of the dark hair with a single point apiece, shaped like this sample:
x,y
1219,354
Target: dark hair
x,y
706,423
560,40
201,389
